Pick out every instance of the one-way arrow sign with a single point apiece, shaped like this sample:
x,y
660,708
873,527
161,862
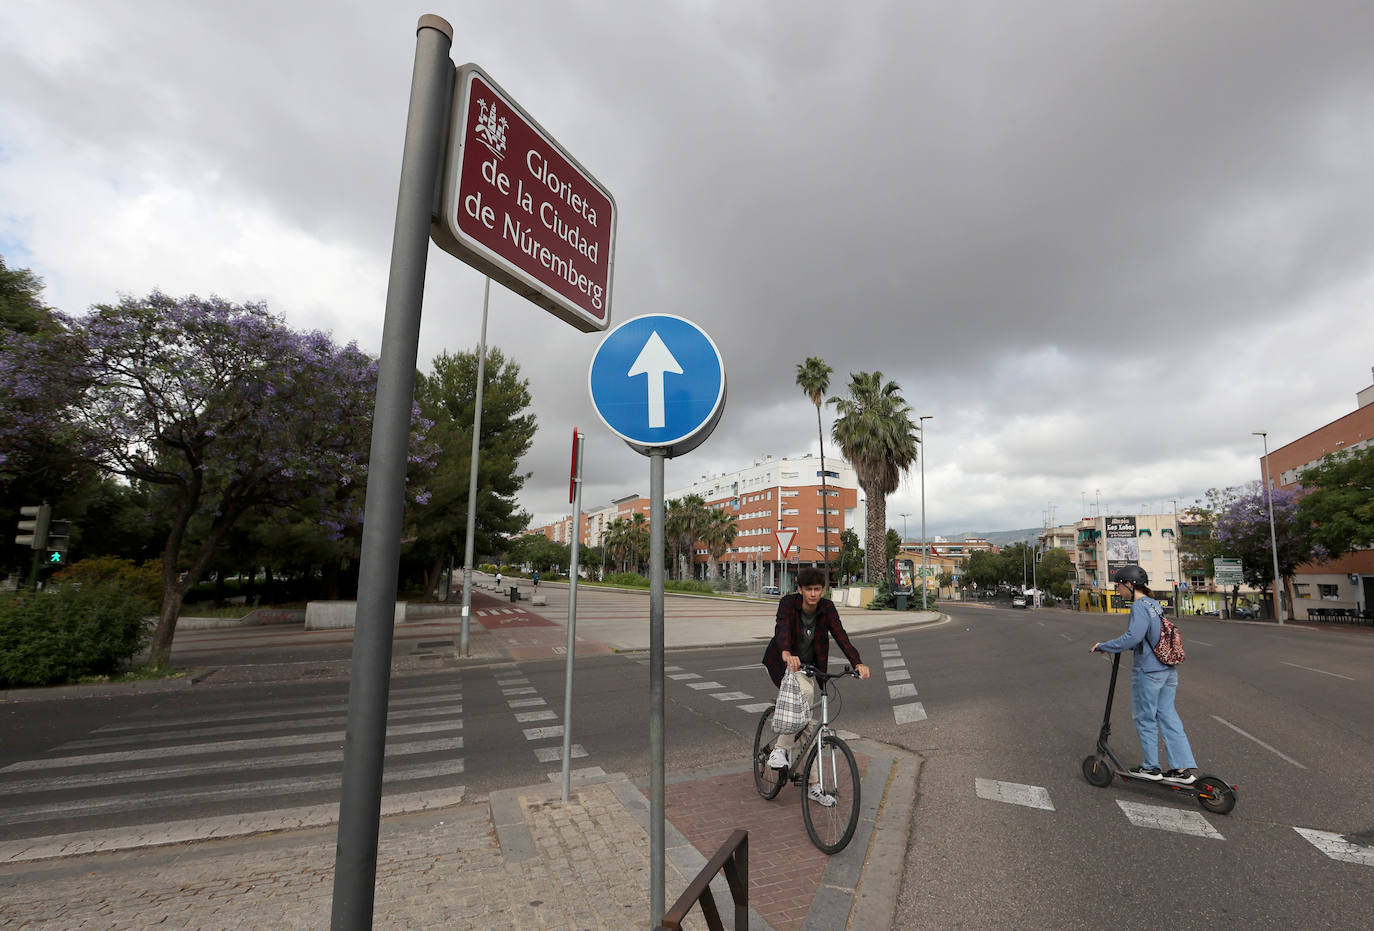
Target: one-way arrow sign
x,y
659,383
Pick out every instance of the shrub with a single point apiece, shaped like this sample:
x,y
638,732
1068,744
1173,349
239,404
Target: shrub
x,y
626,580
141,581
60,635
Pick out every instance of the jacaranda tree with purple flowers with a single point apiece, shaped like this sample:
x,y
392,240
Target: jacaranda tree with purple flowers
x,y
219,408
1242,530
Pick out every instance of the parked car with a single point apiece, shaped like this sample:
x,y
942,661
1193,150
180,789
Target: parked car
x,y
1246,611
1018,601
771,590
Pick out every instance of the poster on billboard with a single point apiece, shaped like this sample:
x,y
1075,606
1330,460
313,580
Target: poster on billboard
x,y
1123,546
903,577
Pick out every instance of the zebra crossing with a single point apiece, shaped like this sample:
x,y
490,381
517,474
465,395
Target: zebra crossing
x,y
898,677
528,708
1167,818
160,777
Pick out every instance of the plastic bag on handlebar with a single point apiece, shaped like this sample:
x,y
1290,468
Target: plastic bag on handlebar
x,y
791,712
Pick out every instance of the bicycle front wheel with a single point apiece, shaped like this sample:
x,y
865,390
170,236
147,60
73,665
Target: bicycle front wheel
x,y
767,780
834,776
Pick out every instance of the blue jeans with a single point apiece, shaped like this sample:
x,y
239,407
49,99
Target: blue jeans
x,y
1152,702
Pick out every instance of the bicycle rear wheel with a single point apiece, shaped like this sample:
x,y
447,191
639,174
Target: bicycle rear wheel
x,y
768,781
830,764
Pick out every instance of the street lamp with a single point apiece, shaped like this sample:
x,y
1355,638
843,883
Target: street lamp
x,y
1273,538
903,517
921,425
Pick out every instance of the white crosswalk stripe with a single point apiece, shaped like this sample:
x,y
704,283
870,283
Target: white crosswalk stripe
x,y
1337,847
1013,793
1169,819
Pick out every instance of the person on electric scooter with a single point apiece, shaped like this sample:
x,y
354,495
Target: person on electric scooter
x,y
1153,683
805,624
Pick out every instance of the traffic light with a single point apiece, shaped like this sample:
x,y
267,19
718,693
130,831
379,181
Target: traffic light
x,y
37,535
59,535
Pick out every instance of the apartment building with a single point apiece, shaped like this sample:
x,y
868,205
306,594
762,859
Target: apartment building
x,y
1347,582
768,496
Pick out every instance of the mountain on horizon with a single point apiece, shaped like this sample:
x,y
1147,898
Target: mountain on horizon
x,y
1001,538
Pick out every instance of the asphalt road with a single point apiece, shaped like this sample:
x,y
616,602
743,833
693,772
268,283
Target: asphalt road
x,y
1001,705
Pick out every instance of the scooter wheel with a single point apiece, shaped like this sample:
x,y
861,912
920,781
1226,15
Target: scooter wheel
x,y
1215,795
1096,771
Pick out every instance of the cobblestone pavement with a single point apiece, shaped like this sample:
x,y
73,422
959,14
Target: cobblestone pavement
x,y
525,860
439,870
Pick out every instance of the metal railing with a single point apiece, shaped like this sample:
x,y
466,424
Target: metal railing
x,y
733,858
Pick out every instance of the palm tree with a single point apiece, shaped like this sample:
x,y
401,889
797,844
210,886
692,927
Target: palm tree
x,y
813,377
682,525
874,431
718,533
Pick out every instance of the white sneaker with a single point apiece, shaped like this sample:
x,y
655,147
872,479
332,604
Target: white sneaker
x,y
777,759
816,795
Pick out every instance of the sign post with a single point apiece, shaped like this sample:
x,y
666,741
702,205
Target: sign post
x,y
575,495
658,382
551,240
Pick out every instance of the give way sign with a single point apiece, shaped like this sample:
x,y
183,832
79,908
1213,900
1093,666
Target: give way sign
x,y
785,538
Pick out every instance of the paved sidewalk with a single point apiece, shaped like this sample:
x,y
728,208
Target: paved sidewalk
x,y
525,860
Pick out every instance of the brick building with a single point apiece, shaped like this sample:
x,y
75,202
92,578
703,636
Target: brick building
x,y
1347,582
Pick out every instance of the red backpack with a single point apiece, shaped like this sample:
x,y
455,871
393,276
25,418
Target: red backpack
x,y
1169,648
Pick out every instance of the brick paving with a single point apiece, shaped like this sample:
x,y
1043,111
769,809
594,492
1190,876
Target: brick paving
x,y
785,868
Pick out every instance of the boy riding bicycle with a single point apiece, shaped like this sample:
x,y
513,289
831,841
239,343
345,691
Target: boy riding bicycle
x,y
805,623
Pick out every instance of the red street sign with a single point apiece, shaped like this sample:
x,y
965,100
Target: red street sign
x,y
519,208
572,475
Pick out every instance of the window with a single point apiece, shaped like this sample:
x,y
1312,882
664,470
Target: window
x,y
789,512
790,492
1302,590
1144,554
1328,592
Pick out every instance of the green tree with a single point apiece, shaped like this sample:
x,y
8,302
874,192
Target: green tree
x,y
216,409
682,522
718,534
874,431
983,568
813,377
448,398
892,545
1055,572
1339,502
851,555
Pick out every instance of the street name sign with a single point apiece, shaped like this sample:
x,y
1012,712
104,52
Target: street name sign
x,y
658,382
518,207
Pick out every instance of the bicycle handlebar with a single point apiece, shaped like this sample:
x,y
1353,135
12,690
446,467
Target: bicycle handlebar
x,y
815,673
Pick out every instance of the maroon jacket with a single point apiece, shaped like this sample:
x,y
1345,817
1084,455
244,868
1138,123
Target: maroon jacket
x,y
788,632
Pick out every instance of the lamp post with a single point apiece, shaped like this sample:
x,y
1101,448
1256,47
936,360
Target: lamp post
x,y
1178,563
921,425
1273,538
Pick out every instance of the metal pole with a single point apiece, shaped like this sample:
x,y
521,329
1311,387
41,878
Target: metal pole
x,y
355,863
1273,538
472,474
1178,564
572,621
924,546
656,802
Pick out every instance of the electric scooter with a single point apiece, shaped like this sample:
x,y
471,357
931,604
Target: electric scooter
x,y
1212,792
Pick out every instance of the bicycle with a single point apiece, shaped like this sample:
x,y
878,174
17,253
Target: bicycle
x,y
831,827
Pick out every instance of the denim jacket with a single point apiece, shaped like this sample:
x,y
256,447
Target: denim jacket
x,y
1140,636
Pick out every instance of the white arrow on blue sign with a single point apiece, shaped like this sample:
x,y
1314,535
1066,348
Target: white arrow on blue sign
x,y
658,382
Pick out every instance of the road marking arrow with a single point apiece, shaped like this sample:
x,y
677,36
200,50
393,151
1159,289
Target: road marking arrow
x,y
655,361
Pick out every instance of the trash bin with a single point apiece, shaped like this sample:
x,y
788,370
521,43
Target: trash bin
x,y
514,593
901,602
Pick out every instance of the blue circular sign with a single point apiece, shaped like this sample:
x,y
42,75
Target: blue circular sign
x,y
658,382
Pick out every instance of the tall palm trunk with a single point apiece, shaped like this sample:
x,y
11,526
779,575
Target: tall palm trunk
x,y
825,500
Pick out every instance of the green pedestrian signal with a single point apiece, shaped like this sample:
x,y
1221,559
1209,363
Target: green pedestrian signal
x,y
55,559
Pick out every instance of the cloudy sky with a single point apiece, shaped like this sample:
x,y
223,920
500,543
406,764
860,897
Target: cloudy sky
x,y
1100,242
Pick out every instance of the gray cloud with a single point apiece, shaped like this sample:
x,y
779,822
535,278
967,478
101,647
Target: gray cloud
x,y
1099,242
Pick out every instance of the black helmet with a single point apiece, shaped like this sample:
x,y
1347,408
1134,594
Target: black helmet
x,y
1131,575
